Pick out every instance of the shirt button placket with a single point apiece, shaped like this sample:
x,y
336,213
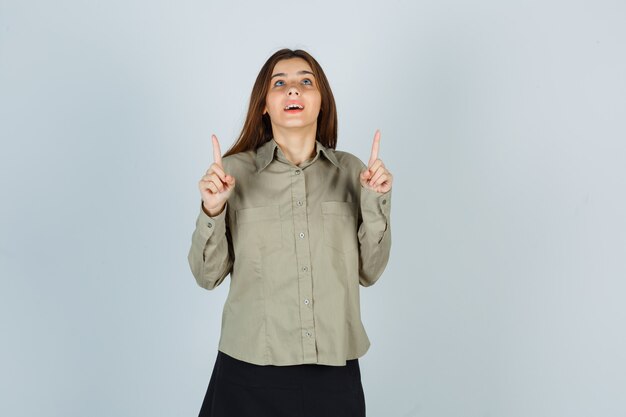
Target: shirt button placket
x,y
305,283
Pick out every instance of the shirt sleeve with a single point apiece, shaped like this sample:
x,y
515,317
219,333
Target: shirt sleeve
x,y
210,256
374,235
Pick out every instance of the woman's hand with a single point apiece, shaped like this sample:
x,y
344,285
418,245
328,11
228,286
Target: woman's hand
x,y
215,186
376,177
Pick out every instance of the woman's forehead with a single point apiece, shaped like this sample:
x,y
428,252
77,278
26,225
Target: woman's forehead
x,y
291,66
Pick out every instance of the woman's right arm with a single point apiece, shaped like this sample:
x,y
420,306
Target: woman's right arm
x,y
211,255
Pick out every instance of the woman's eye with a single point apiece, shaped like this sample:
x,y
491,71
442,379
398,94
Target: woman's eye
x,y
279,83
306,81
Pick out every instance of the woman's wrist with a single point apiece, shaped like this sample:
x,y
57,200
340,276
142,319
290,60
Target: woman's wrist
x,y
213,212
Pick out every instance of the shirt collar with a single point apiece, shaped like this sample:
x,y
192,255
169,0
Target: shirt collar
x,y
266,153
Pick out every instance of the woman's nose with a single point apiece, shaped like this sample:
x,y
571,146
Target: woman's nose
x,y
293,91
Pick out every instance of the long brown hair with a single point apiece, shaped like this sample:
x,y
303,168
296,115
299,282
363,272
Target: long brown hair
x,y
257,128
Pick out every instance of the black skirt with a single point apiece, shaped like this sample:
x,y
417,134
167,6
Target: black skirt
x,y
242,389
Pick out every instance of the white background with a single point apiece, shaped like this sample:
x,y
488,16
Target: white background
x,y
503,123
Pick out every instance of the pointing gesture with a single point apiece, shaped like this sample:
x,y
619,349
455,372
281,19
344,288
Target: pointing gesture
x,y
376,177
375,146
215,186
217,152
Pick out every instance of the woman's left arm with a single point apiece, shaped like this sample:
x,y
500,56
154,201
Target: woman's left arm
x,y
375,229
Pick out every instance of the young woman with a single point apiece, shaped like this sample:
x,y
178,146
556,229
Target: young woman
x,y
298,226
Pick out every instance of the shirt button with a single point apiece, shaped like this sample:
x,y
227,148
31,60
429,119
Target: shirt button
x,y
308,334
299,203
209,225
306,302
297,172
301,235
384,201
304,268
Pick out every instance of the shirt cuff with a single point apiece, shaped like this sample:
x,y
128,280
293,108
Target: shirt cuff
x,y
208,225
375,210
379,203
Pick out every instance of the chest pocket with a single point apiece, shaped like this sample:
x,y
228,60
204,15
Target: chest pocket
x,y
340,228
259,229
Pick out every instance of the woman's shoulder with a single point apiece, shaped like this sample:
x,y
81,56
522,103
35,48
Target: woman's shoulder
x,y
239,162
348,160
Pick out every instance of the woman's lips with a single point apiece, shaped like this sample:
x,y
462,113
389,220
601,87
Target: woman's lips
x,y
293,106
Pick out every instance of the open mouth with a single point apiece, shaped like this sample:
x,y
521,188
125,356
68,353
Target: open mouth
x,y
293,108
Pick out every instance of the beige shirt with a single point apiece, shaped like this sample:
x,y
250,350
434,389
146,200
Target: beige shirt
x,y
297,242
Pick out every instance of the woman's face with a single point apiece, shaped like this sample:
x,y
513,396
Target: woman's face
x,y
293,99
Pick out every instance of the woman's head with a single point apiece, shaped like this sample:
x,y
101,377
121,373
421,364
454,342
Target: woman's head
x,y
257,128
293,101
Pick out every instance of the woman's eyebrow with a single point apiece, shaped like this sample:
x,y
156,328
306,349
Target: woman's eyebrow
x,y
282,74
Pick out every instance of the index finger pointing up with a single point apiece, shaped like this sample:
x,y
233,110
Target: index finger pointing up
x,y
217,153
375,145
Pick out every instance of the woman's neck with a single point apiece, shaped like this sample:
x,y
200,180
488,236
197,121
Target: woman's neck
x,y
297,146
